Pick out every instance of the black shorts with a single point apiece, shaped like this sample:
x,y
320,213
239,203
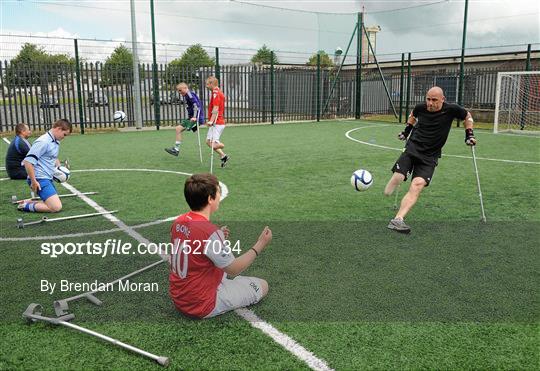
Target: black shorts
x,y
17,173
422,167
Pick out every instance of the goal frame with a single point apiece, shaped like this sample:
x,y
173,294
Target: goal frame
x,y
496,128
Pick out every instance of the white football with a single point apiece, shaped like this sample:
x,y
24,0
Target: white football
x,y
61,174
361,180
119,116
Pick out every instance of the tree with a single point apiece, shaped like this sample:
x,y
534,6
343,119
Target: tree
x,y
34,66
118,67
186,68
326,61
264,56
194,56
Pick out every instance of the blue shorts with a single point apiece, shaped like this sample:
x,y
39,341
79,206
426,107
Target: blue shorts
x,y
47,188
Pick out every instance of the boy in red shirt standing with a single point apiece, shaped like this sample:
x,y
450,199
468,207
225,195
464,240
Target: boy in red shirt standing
x,y
216,112
202,258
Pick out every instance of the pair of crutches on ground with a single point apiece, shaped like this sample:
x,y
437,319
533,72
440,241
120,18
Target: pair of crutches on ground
x,y
33,313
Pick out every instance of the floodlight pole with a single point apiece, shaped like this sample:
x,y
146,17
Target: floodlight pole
x,y
136,78
462,63
157,113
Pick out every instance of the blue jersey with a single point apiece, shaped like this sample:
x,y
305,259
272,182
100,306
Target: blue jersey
x,y
193,101
43,155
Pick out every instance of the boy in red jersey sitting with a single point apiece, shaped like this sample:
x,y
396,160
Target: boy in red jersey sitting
x,y
202,257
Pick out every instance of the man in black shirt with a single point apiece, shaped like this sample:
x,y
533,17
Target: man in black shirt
x,y
17,151
430,124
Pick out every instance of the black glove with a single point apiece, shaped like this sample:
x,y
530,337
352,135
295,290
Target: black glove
x,y
405,133
470,140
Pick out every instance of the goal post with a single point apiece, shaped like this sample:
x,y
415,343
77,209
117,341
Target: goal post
x,y
517,102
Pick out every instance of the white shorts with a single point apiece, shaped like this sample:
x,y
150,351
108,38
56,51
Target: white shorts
x,y
237,293
215,133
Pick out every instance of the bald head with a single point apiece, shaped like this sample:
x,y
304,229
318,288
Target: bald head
x,y
436,91
434,99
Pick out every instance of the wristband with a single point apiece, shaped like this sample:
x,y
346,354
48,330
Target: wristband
x,y
407,130
255,251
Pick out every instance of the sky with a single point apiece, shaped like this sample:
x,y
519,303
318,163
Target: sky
x,y
239,28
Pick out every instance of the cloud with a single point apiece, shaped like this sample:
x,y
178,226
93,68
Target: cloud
x,y
57,41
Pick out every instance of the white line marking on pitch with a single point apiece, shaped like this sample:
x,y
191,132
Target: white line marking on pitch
x,y
83,234
284,340
113,219
224,189
347,134
224,194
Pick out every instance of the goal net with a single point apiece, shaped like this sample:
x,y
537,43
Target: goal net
x,y
517,103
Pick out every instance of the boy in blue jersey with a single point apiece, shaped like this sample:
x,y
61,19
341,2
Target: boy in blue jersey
x,y
195,115
40,163
17,151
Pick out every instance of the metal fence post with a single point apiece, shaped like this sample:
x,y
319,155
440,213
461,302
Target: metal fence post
x,y
318,99
272,87
263,75
155,84
526,89
79,89
359,35
401,80
528,61
218,69
408,86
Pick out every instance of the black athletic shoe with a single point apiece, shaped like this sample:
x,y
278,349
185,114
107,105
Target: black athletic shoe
x,y
172,151
195,128
224,160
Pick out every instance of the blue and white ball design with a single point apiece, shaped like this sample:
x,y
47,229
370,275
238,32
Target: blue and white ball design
x,y
61,174
361,180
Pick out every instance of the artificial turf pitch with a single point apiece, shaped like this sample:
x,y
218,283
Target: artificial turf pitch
x,y
454,294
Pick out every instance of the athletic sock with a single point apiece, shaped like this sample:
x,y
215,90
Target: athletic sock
x,y
177,145
30,206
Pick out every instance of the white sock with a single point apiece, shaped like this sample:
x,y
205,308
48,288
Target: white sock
x,y
177,145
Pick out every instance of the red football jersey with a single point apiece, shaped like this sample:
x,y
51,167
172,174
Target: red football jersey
x,y
217,99
196,263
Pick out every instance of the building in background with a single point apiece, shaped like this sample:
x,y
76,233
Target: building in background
x,y
367,55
